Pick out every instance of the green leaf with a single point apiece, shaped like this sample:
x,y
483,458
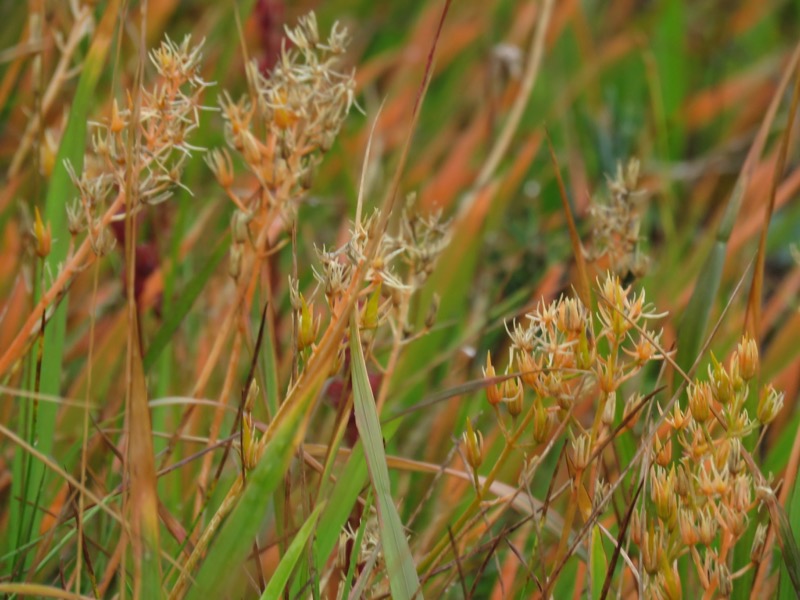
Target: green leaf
x,y
235,538
29,474
789,531
598,563
281,575
354,555
402,573
694,324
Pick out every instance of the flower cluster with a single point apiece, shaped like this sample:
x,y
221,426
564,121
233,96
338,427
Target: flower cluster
x,y
400,267
565,355
289,116
615,224
701,502
142,148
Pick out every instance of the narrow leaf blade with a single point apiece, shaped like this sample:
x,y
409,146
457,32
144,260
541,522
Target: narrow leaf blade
x,y
402,573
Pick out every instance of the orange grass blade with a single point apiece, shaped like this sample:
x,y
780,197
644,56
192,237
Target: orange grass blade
x,y
582,285
752,323
695,319
143,500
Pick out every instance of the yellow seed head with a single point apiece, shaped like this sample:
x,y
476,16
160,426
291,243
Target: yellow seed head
x,y
117,124
369,313
770,404
307,327
494,392
747,357
513,396
663,451
700,396
541,421
473,442
42,234
687,527
652,549
528,368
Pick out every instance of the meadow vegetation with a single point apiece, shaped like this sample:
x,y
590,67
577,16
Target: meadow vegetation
x,y
404,299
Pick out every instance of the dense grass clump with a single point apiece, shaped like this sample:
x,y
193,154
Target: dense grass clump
x,y
369,300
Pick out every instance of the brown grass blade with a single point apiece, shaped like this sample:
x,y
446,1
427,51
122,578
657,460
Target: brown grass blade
x,y
582,285
143,499
752,323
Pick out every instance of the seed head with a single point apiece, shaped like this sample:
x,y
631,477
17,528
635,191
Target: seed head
x,y
581,451
770,404
473,442
541,421
652,550
494,392
687,527
759,540
707,527
42,235
700,398
307,326
512,396
747,358
609,409
721,382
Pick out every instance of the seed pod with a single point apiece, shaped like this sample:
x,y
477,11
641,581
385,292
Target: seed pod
x,y
493,392
473,441
42,234
307,327
513,396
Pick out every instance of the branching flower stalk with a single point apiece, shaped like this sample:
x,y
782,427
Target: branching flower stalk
x,y
359,270
279,130
701,504
565,356
168,114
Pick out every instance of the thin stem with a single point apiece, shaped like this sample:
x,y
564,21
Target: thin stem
x,y
17,346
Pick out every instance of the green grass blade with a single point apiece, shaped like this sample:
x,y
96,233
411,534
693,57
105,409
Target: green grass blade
x,y
402,573
671,57
598,563
790,531
695,320
354,555
235,539
341,502
279,579
143,481
24,516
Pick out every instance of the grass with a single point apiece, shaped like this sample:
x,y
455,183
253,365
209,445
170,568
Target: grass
x,y
399,317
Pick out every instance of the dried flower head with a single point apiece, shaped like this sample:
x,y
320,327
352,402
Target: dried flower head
x,y
292,113
617,222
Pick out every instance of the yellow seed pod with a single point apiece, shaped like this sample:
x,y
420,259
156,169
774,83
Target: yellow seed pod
x,y
369,314
307,328
43,235
473,441
494,392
